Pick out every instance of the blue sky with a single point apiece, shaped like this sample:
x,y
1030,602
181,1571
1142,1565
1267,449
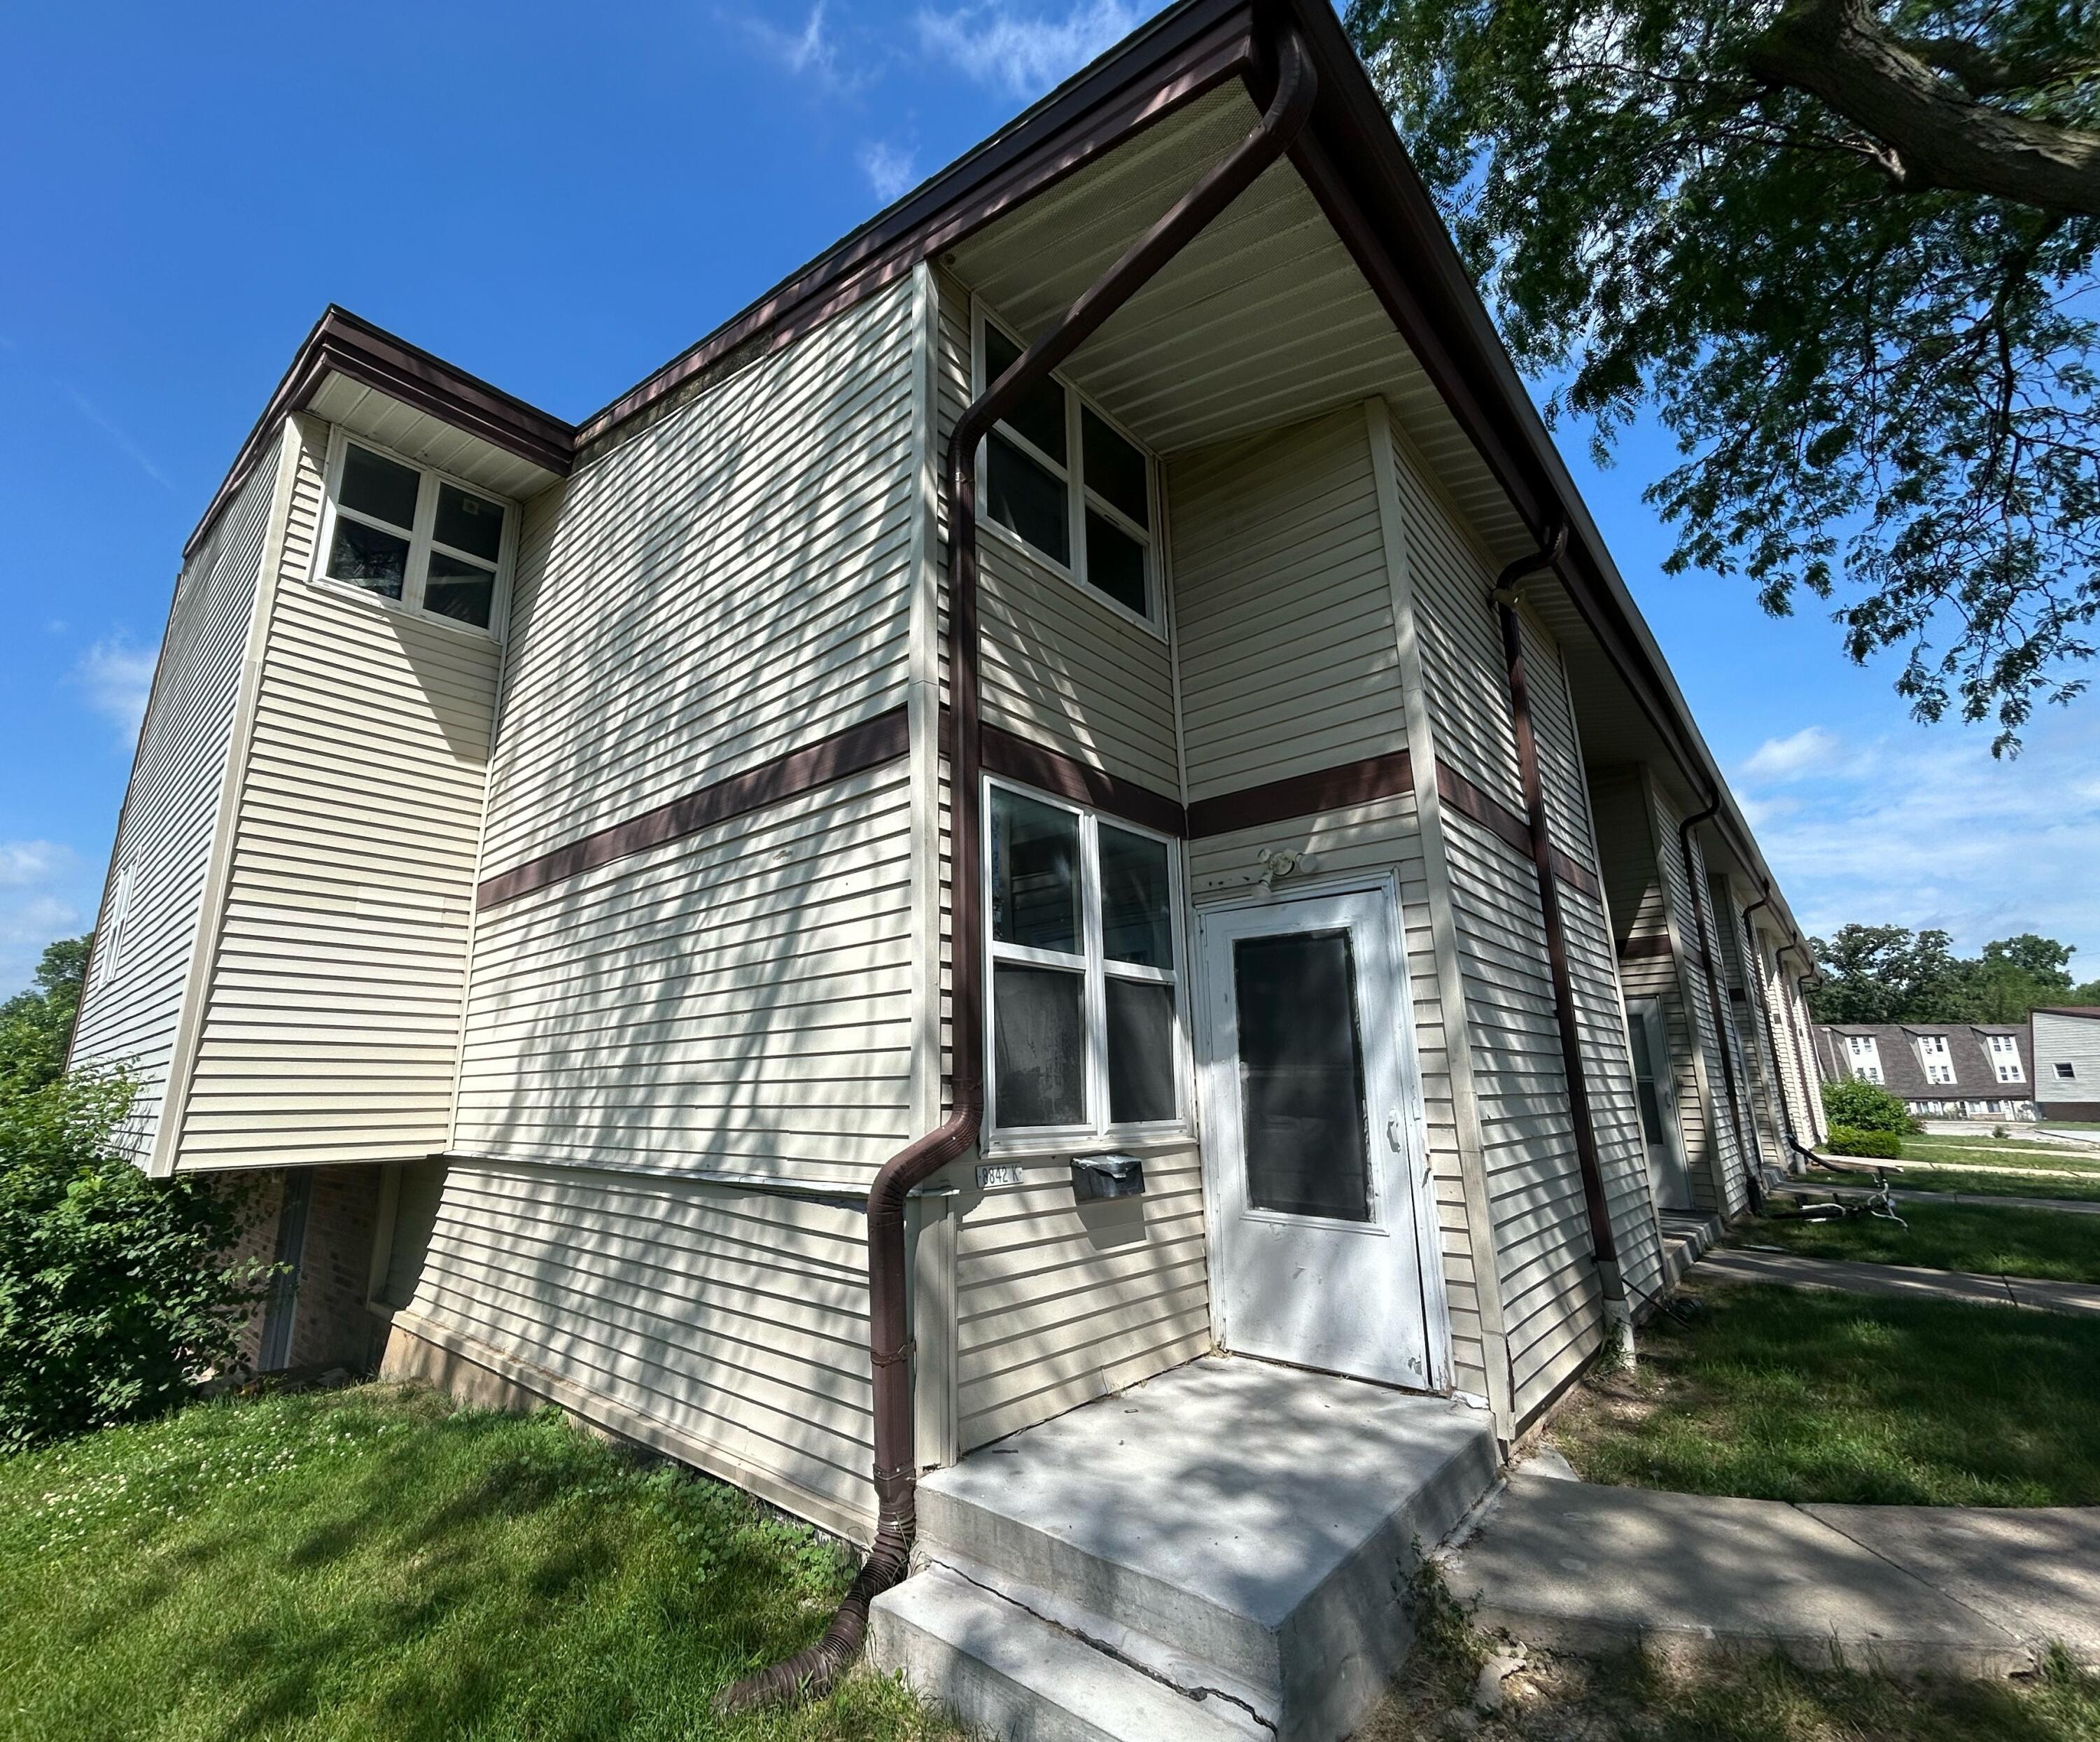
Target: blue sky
x,y
560,199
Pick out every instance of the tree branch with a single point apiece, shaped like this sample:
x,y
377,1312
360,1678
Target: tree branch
x,y
1840,52
1983,74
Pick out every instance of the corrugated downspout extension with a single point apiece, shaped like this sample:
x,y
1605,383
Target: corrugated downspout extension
x,y
809,1673
1723,1022
1604,1244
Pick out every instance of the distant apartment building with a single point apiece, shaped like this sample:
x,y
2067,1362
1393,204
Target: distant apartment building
x,y
2065,1043
1948,1070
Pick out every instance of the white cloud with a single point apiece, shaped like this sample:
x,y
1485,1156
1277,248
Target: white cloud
x,y
43,896
118,677
24,862
1782,758
88,409
891,170
810,50
1926,829
1025,54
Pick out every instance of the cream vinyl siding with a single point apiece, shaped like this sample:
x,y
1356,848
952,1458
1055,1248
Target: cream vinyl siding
x,y
330,1031
1735,1116
1798,1071
171,809
1288,660
737,1002
1593,970
1059,666
1717,1151
2072,1040
1551,1300
1462,670
729,584
1755,1046
1634,891
1273,689
736,1322
1057,1302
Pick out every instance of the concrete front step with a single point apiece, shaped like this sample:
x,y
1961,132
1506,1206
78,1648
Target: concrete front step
x,y
1005,1671
1232,1524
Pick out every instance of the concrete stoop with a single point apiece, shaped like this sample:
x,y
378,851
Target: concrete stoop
x,y
1222,1552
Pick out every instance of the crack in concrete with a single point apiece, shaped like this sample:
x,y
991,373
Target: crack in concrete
x,y
1915,1577
1197,1694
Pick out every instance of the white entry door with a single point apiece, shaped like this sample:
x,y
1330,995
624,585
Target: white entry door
x,y
1655,1084
1313,1136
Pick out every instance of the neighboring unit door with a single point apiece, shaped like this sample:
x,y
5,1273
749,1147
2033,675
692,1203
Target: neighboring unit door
x,y
1668,1179
1313,1136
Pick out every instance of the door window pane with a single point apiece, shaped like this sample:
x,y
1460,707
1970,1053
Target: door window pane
x,y
1645,1068
1114,469
1040,415
1136,919
1115,562
1301,1056
1025,499
366,557
1035,874
459,589
379,488
1039,1047
468,522
1141,1047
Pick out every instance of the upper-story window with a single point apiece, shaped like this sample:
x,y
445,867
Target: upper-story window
x,y
1072,487
1933,1054
1865,1057
414,536
1085,1006
2004,1051
107,951
2066,1071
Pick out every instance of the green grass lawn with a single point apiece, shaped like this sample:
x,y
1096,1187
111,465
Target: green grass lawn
x,y
1990,1152
1998,1242
373,1564
1804,1394
1998,1182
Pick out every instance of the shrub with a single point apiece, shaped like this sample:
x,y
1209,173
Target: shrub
x,y
1865,1107
1846,1139
115,1297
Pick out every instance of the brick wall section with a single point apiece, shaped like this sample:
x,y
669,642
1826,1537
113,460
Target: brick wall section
x,y
257,1244
332,1327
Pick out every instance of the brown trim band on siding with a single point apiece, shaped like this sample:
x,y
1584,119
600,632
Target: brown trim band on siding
x,y
1360,783
1637,949
867,744
1484,808
1016,758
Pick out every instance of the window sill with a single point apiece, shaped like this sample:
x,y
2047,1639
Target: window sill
x,y
1021,1149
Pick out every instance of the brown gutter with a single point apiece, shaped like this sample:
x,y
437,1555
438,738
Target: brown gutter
x,y
1723,1018
890,1350
1603,1244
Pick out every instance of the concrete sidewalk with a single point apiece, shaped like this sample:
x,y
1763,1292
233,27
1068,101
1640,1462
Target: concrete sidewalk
x,y
1573,1566
1791,1270
1983,1201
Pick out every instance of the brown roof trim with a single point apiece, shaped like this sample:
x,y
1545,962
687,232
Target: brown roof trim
x,y
1185,53
2066,1010
867,744
342,343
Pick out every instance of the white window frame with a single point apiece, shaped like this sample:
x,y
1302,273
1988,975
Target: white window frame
x,y
421,540
2005,1058
1937,1059
1097,970
1077,501
108,950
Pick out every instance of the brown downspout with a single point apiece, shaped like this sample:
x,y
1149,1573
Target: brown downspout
x,y
809,1673
1604,1244
1723,1022
1806,1151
